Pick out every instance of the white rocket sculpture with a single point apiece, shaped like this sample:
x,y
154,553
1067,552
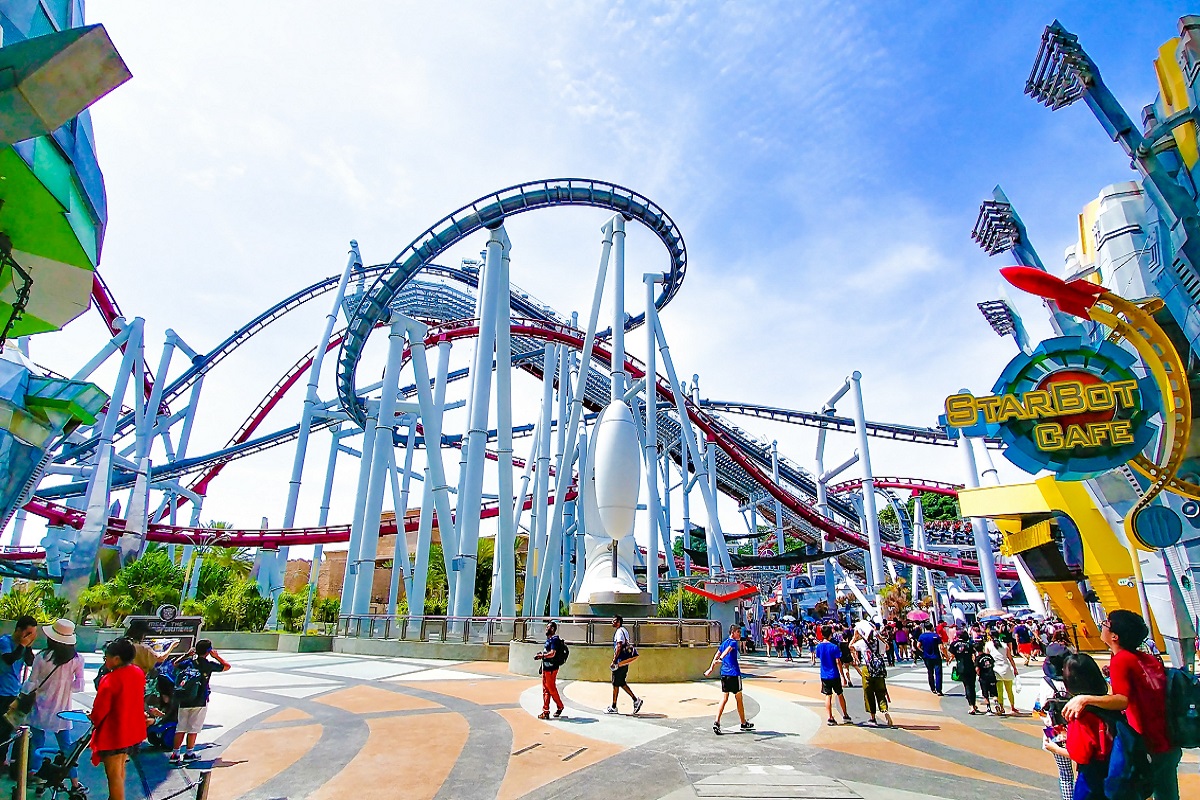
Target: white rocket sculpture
x,y
610,496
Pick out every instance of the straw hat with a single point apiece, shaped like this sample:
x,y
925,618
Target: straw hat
x,y
62,631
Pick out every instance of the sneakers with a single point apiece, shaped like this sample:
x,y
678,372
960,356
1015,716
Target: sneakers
x,y
191,755
637,705
610,710
175,758
747,726
558,713
717,728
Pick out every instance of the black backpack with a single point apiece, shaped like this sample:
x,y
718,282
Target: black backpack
x,y
564,653
1129,767
1183,708
189,687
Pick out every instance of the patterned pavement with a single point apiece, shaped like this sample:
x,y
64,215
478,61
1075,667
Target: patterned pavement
x,y
334,727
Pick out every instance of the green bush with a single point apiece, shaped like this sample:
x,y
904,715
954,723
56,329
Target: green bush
x,y
291,610
239,607
694,606
23,600
328,609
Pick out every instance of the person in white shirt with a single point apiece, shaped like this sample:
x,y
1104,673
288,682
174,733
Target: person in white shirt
x,y
1006,670
622,657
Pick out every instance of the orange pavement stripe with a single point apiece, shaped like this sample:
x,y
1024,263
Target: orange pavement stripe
x,y
407,758
485,667
289,715
257,756
675,700
531,767
954,734
485,693
863,743
368,699
1189,785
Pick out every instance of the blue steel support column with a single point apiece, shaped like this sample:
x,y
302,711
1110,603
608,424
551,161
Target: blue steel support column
x,y
471,493
360,510
651,450
81,566
537,552
314,569
432,402
562,482
823,507
692,449
416,602
400,562
983,545
869,511
504,551
380,457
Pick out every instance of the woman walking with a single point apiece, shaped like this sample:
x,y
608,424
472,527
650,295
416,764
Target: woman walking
x,y
1006,671
57,673
117,714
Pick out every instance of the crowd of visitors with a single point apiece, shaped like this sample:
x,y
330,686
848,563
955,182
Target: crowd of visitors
x,y
1106,726
137,689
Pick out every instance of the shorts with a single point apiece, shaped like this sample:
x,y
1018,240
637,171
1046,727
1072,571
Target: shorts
x,y
191,720
619,675
120,751
831,686
1025,649
731,684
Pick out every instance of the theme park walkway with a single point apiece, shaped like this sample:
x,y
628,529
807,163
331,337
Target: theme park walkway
x,y
332,727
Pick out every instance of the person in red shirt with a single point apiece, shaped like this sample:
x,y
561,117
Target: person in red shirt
x,y
1087,741
1139,688
118,714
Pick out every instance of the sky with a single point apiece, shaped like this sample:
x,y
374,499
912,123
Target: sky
x,y
824,161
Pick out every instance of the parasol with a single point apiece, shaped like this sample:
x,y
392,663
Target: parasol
x,y
918,616
992,614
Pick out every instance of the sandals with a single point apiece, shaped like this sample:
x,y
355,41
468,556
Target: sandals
x,y
544,715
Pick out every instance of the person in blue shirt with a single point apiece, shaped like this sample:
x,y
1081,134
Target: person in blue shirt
x,y
16,653
932,650
829,654
731,677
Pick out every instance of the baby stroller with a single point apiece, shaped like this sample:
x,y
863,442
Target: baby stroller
x,y
161,707
54,773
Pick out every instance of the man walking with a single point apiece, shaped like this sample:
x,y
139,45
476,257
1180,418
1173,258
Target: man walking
x,y
16,653
623,655
731,678
932,650
830,656
551,658
868,654
1139,688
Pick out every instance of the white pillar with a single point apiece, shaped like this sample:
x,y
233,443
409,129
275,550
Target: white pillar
x,y
869,511
983,545
651,449
618,381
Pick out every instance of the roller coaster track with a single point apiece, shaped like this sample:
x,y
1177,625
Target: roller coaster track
x,y
490,211
811,419
709,425
109,310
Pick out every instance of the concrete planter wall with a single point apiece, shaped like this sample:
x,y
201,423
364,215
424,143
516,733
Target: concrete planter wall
x,y
295,643
590,662
399,648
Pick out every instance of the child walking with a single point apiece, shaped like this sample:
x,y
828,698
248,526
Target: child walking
x,y
731,678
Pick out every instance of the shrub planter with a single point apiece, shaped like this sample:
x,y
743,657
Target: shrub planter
x,y
242,640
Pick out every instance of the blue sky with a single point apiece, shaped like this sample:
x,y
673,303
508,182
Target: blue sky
x,y
825,162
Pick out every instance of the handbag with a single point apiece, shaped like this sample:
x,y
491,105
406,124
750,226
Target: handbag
x,y
954,673
627,655
20,709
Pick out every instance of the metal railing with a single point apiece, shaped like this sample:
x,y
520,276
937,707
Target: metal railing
x,y
502,630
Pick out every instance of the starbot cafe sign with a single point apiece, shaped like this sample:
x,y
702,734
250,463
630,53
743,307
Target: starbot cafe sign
x,y
1073,408
1068,413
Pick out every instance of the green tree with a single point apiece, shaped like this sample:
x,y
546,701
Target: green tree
x,y
938,506
291,610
